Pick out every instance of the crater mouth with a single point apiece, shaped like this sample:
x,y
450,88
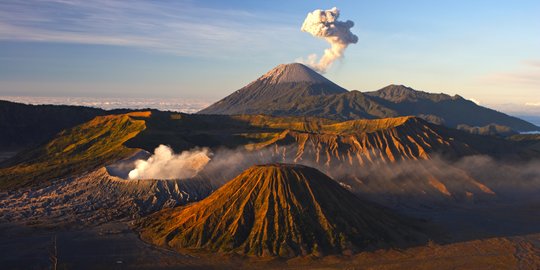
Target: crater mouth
x,y
122,168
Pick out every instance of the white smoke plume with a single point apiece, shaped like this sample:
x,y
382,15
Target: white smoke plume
x,y
165,164
324,24
408,182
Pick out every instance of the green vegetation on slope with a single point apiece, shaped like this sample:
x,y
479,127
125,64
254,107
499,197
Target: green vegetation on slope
x,y
358,142
76,150
492,130
183,132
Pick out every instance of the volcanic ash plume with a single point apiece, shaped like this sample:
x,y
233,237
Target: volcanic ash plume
x,y
325,24
165,164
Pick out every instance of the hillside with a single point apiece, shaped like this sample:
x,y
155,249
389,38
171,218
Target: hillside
x,y
73,151
452,110
280,210
306,138
24,125
530,141
296,90
492,130
282,85
394,159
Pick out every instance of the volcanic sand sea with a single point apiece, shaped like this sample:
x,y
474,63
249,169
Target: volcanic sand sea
x,y
4,155
116,246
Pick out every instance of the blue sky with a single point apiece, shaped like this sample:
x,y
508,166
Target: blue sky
x,y
482,50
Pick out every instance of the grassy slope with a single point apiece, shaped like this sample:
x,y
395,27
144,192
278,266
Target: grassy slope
x,y
73,151
184,132
24,125
109,138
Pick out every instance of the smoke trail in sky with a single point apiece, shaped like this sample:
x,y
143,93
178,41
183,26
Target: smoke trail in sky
x,y
324,24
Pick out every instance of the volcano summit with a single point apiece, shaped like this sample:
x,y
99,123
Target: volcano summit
x,y
296,90
281,210
282,85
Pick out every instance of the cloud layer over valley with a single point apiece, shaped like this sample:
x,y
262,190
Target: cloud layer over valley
x,y
472,178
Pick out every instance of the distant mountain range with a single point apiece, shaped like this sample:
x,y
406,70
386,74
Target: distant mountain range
x,y
287,90
296,90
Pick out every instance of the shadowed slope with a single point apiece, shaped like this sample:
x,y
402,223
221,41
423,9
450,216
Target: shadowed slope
x,y
491,129
73,151
296,90
280,210
450,110
360,142
284,84
312,141
24,125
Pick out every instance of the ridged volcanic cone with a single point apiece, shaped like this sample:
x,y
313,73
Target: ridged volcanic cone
x,y
280,210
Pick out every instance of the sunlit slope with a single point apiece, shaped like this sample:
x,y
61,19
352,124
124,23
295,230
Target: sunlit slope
x,y
315,141
82,148
309,138
366,141
280,210
393,159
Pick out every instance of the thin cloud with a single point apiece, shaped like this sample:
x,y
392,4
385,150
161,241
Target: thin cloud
x,y
519,109
185,105
527,74
533,63
475,101
181,27
525,77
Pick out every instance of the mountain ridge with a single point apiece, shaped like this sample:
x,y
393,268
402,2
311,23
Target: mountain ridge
x,y
310,94
326,142
293,73
400,93
19,122
282,84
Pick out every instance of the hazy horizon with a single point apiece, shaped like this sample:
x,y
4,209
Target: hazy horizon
x,y
187,105
485,51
